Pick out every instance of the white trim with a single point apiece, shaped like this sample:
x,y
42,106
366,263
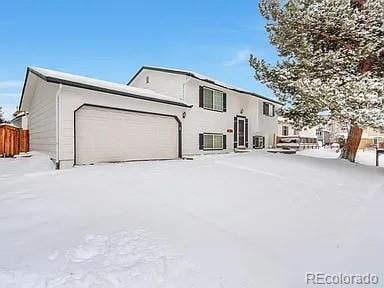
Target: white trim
x,y
259,139
214,99
213,141
286,129
271,109
238,134
58,123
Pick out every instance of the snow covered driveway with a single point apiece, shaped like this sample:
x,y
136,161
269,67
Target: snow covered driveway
x,y
238,220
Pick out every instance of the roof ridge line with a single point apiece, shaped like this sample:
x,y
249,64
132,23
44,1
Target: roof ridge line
x,y
207,79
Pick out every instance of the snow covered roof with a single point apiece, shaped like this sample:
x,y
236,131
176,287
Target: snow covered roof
x,y
282,119
203,78
8,125
18,114
102,86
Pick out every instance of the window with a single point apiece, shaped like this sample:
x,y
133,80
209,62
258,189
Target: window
x,y
218,100
268,109
344,129
258,142
378,141
213,141
213,99
296,131
285,130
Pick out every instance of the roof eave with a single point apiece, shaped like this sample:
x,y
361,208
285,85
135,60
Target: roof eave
x,y
96,88
202,79
24,85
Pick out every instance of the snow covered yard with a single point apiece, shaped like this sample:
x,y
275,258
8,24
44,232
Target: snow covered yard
x,y
365,157
238,220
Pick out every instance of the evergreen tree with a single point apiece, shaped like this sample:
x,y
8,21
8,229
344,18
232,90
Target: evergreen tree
x,y
2,118
331,59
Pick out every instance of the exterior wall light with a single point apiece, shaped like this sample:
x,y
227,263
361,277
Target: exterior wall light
x,y
184,114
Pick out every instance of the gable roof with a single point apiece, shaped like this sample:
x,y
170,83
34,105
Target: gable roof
x,y
203,78
100,85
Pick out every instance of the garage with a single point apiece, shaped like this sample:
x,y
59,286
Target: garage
x,y
107,134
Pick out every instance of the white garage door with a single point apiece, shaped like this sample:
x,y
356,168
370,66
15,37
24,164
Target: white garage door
x,y
105,135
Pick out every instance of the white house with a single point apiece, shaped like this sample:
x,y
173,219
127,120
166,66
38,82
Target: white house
x,y
289,136
286,127
20,120
160,114
244,118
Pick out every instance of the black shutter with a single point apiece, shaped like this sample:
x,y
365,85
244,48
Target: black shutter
x,y
246,133
224,102
224,141
201,141
254,142
235,133
201,96
273,110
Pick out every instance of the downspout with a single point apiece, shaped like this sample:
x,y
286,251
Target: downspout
x,y
58,126
181,135
188,78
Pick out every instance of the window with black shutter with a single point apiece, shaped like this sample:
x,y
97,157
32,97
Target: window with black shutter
x,y
235,132
201,141
284,130
265,108
268,109
258,142
212,99
212,141
246,133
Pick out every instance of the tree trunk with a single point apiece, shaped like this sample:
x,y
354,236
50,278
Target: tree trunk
x,y
353,141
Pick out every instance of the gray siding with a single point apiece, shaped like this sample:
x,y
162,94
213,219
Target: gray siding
x,y
42,119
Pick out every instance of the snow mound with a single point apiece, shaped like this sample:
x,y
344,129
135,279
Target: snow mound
x,y
244,220
18,166
364,157
106,261
320,153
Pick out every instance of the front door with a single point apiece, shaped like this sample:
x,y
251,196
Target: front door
x,y
241,133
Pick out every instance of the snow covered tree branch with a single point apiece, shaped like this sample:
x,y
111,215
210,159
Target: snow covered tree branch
x,y
2,118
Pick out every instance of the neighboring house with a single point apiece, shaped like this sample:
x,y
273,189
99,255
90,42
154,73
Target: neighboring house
x,y
287,128
162,114
331,131
338,132
20,119
290,137
323,136
371,138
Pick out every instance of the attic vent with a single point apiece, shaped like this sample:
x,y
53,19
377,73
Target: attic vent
x,y
147,79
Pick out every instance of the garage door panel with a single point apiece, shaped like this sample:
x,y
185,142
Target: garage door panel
x,y
104,135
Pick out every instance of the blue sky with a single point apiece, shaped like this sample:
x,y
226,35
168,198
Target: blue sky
x,y
111,39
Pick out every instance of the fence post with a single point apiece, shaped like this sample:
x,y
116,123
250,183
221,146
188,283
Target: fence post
x,y
377,157
24,141
2,142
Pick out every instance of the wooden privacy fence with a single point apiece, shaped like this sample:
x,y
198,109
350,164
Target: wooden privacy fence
x,y
13,140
